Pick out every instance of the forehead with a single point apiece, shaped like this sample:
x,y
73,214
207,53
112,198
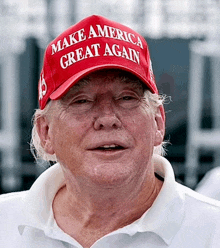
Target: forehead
x,y
103,77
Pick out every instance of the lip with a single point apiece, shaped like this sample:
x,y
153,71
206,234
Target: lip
x,y
109,155
96,145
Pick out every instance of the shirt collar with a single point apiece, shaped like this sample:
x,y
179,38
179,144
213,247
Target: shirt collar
x,y
164,218
37,203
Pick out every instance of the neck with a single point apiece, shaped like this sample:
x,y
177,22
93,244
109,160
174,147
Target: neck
x,y
102,210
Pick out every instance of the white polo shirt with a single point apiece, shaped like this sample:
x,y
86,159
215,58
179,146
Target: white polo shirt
x,y
179,218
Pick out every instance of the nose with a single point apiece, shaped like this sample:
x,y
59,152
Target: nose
x,y
107,118
107,122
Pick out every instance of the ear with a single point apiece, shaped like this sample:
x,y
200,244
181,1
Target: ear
x,y
160,128
43,129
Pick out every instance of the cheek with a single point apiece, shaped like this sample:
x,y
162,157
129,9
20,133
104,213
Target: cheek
x,y
67,134
141,121
142,127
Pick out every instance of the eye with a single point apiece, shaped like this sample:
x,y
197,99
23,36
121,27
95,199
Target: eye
x,y
127,98
80,105
80,101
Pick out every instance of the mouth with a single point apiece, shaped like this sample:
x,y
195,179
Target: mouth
x,y
105,146
112,147
109,150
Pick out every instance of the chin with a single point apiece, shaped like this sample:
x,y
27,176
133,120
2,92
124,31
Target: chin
x,y
109,175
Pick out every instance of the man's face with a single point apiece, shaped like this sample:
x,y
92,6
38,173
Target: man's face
x,y
103,130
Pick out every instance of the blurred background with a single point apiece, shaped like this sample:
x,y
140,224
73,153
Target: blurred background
x,y
184,41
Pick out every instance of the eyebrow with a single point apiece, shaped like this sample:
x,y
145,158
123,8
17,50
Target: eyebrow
x,y
136,84
133,82
76,88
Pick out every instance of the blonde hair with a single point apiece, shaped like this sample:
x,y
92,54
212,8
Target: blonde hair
x,y
38,151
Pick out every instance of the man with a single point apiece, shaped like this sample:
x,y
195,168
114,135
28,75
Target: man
x,y
102,121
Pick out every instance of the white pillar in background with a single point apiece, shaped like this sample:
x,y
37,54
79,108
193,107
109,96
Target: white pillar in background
x,y
10,131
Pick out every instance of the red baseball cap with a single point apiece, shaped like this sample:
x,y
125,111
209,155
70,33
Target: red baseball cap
x,y
93,44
